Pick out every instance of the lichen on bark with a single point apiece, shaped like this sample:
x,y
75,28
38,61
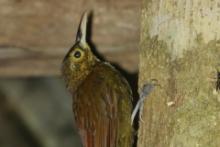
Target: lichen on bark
x,y
184,110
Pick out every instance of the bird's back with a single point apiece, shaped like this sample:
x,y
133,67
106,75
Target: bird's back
x,y
102,108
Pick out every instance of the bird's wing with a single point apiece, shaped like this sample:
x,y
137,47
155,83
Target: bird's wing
x,y
97,109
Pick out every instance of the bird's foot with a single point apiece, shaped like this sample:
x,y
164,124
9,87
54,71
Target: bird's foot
x,y
145,91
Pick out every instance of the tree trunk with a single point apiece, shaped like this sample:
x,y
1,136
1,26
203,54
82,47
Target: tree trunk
x,y
180,49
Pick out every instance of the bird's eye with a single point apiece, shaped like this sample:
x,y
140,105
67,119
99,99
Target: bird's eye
x,y
77,54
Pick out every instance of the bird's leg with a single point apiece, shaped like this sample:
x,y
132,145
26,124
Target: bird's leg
x,y
145,91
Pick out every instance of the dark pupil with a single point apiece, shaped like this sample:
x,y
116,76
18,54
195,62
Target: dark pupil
x,y
77,54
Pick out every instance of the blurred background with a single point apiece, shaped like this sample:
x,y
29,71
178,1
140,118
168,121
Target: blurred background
x,y
35,107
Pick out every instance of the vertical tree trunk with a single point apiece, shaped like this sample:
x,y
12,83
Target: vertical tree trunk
x,y
180,48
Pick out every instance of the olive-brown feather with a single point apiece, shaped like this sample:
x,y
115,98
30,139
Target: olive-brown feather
x,y
102,108
101,96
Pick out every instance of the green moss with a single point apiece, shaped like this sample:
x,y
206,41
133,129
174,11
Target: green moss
x,y
189,82
186,75
197,120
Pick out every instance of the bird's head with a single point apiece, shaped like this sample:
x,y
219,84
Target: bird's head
x,y
80,60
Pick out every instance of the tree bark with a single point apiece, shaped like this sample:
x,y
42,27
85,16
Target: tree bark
x,y
180,49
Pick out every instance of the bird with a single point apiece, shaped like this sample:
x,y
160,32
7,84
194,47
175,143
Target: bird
x,y
101,96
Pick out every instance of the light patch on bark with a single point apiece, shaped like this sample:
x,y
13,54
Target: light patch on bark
x,y
178,23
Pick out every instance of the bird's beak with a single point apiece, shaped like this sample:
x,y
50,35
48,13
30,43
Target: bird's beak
x,y
82,30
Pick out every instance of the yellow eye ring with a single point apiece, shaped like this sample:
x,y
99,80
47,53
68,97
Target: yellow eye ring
x,y
78,54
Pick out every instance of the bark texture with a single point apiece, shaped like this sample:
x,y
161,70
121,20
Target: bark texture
x,y
180,48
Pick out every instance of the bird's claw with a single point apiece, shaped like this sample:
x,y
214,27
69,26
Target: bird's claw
x,y
145,91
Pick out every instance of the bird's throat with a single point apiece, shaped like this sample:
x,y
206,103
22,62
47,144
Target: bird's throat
x,y
74,78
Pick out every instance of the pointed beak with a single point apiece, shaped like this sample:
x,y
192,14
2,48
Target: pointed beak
x,y
82,30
